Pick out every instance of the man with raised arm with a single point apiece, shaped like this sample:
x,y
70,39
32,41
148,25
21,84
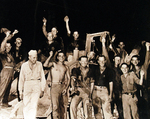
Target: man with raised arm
x,y
58,80
8,68
129,88
31,84
74,42
55,36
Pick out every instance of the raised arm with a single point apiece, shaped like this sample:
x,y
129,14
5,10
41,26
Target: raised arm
x,y
105,52
146,63
47,62
44,27
66,19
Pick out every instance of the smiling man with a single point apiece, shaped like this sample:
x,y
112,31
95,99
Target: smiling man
x,y
58,79
31,84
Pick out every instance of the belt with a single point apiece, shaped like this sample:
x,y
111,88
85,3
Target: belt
x,y
33,80
99,87
79,86
8,67
57,82
129,93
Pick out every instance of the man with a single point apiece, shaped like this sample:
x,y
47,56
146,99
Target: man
x,y
59,80
142,93
102,93
117,87
55,36
19,55
50,45
83,79
8,68
129,98
31,84
74,42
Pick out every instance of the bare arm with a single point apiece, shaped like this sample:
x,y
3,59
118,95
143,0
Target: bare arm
x,y
44,27
47,63
66,19
146,63
105,52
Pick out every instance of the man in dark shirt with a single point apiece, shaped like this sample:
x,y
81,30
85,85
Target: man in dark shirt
x,y
75,41
55,36
102,93
83,78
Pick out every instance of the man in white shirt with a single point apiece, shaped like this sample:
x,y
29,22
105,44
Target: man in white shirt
x,y
31,84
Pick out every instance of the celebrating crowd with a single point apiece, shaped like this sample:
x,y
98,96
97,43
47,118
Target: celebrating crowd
x,y
96,82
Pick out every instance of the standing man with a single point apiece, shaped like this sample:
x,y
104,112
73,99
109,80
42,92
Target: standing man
x,y
75,41
8,64
102,93
31,84
55,36
129,88
82,80
19,55
59,80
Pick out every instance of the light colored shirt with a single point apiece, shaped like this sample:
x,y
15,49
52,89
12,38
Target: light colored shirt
x,y
129,83
26,74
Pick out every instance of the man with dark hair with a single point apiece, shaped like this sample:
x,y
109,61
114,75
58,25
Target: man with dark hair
x,y
102,93
55,36
8,64
82,80
142,93
129,98
117,87
58,80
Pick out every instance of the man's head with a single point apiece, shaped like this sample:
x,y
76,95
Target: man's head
x,y
8,47
32,56
54,31
75,35
101,60
91,55
135,60
121,45
50,37
61,56
124,68
83,60
117,60
18,42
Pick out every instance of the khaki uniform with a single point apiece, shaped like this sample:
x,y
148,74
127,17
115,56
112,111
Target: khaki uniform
x,y
31,83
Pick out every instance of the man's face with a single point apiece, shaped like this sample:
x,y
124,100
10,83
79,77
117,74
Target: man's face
x,y
84,62
8,47
61,57
117,60
75,35
135,61
121,45
18,43
124,69
33,58
101,61
50,38
54,31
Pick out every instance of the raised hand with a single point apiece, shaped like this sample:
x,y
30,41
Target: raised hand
x,y
15,31
66,18
113,38
51,53
44,20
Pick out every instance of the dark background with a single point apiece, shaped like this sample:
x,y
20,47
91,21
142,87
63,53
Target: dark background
x,y
128,19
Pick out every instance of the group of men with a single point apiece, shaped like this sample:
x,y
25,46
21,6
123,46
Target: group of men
x,y
94,83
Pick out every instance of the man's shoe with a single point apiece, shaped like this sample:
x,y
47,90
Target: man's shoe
x,y
6,105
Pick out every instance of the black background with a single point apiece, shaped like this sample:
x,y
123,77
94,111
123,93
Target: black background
x,y
128,19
